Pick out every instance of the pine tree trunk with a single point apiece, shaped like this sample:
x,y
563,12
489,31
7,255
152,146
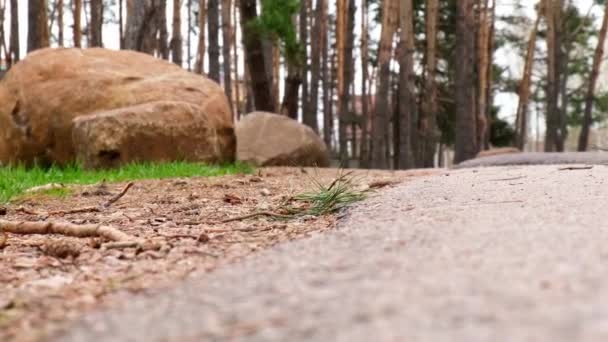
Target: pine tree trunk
x,y
364,145
379,147
60,36
590,95
142,26
254,57
3,49
77,32
177,49
407,102
213,32
226,53
38,30
315,65
199,67
15,50
96,7
483,65
345,116
466,132
189,35
163,39
308,117
326,76
553,9
121,24
521,118
429,134
235,59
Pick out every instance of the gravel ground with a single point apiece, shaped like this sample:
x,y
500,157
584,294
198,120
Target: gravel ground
x,y
492,254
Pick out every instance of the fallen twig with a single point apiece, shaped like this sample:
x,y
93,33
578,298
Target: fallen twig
x,y
73,211
507,179
46,187
118,196
64,228
261,213
573,168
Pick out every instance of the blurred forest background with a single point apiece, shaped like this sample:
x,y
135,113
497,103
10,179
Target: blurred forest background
x,y
386,83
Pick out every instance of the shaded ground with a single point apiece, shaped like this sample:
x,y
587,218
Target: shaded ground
x,y
40,293
493,254
538,158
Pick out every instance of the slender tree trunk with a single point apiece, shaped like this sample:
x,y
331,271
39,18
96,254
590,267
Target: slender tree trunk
x,y
177,50
521,119
326,75
38,30
213,32
189,35
483,65
14,44
237,89
77,32
4,53
163,38
466,146
379,146
254,56
308,117
315,65
364,145
60,36
407,100
199,66
276,74
553,10
121,24
96,27
226,34
583,141
429,134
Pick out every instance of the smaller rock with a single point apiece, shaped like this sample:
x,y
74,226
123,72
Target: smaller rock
x,y
265,192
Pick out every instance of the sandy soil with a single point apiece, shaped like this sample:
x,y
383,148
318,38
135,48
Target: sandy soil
x,y
41,292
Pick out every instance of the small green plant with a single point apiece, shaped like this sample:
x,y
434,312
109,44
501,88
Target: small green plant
x,y
15,180
327,199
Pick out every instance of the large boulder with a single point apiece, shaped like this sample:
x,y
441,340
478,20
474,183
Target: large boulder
x,y
267,139
108,108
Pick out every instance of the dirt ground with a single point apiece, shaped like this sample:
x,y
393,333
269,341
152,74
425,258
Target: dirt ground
x,y
41,290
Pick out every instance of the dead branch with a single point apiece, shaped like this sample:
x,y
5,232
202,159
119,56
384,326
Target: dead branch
x,y
74,211
64,228
573,168
261,213
118,196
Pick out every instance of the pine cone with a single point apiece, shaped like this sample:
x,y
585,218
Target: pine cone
x,y
61,249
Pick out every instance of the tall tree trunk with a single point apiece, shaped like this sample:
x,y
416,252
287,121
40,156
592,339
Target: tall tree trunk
x,y
364,145
77,31
4,53
189,35
429,134
308,117
483,55
254,57
142,26
407,102
177,51
583,140
315,66
226,39
96,27
326,76
379,134
15,50
235,59
552,12
276,74
521,118
466,146
60,36
163,38
121,24
199,66
213,32
38,29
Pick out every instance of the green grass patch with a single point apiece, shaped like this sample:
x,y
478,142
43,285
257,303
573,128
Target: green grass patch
x,y
14,180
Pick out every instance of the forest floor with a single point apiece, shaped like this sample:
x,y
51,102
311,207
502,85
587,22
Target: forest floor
x,y
48,281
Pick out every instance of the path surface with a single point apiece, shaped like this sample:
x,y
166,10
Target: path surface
x,y
492,254
538,158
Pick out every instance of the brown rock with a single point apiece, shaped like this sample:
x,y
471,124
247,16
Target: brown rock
x,y
42,95
266,139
